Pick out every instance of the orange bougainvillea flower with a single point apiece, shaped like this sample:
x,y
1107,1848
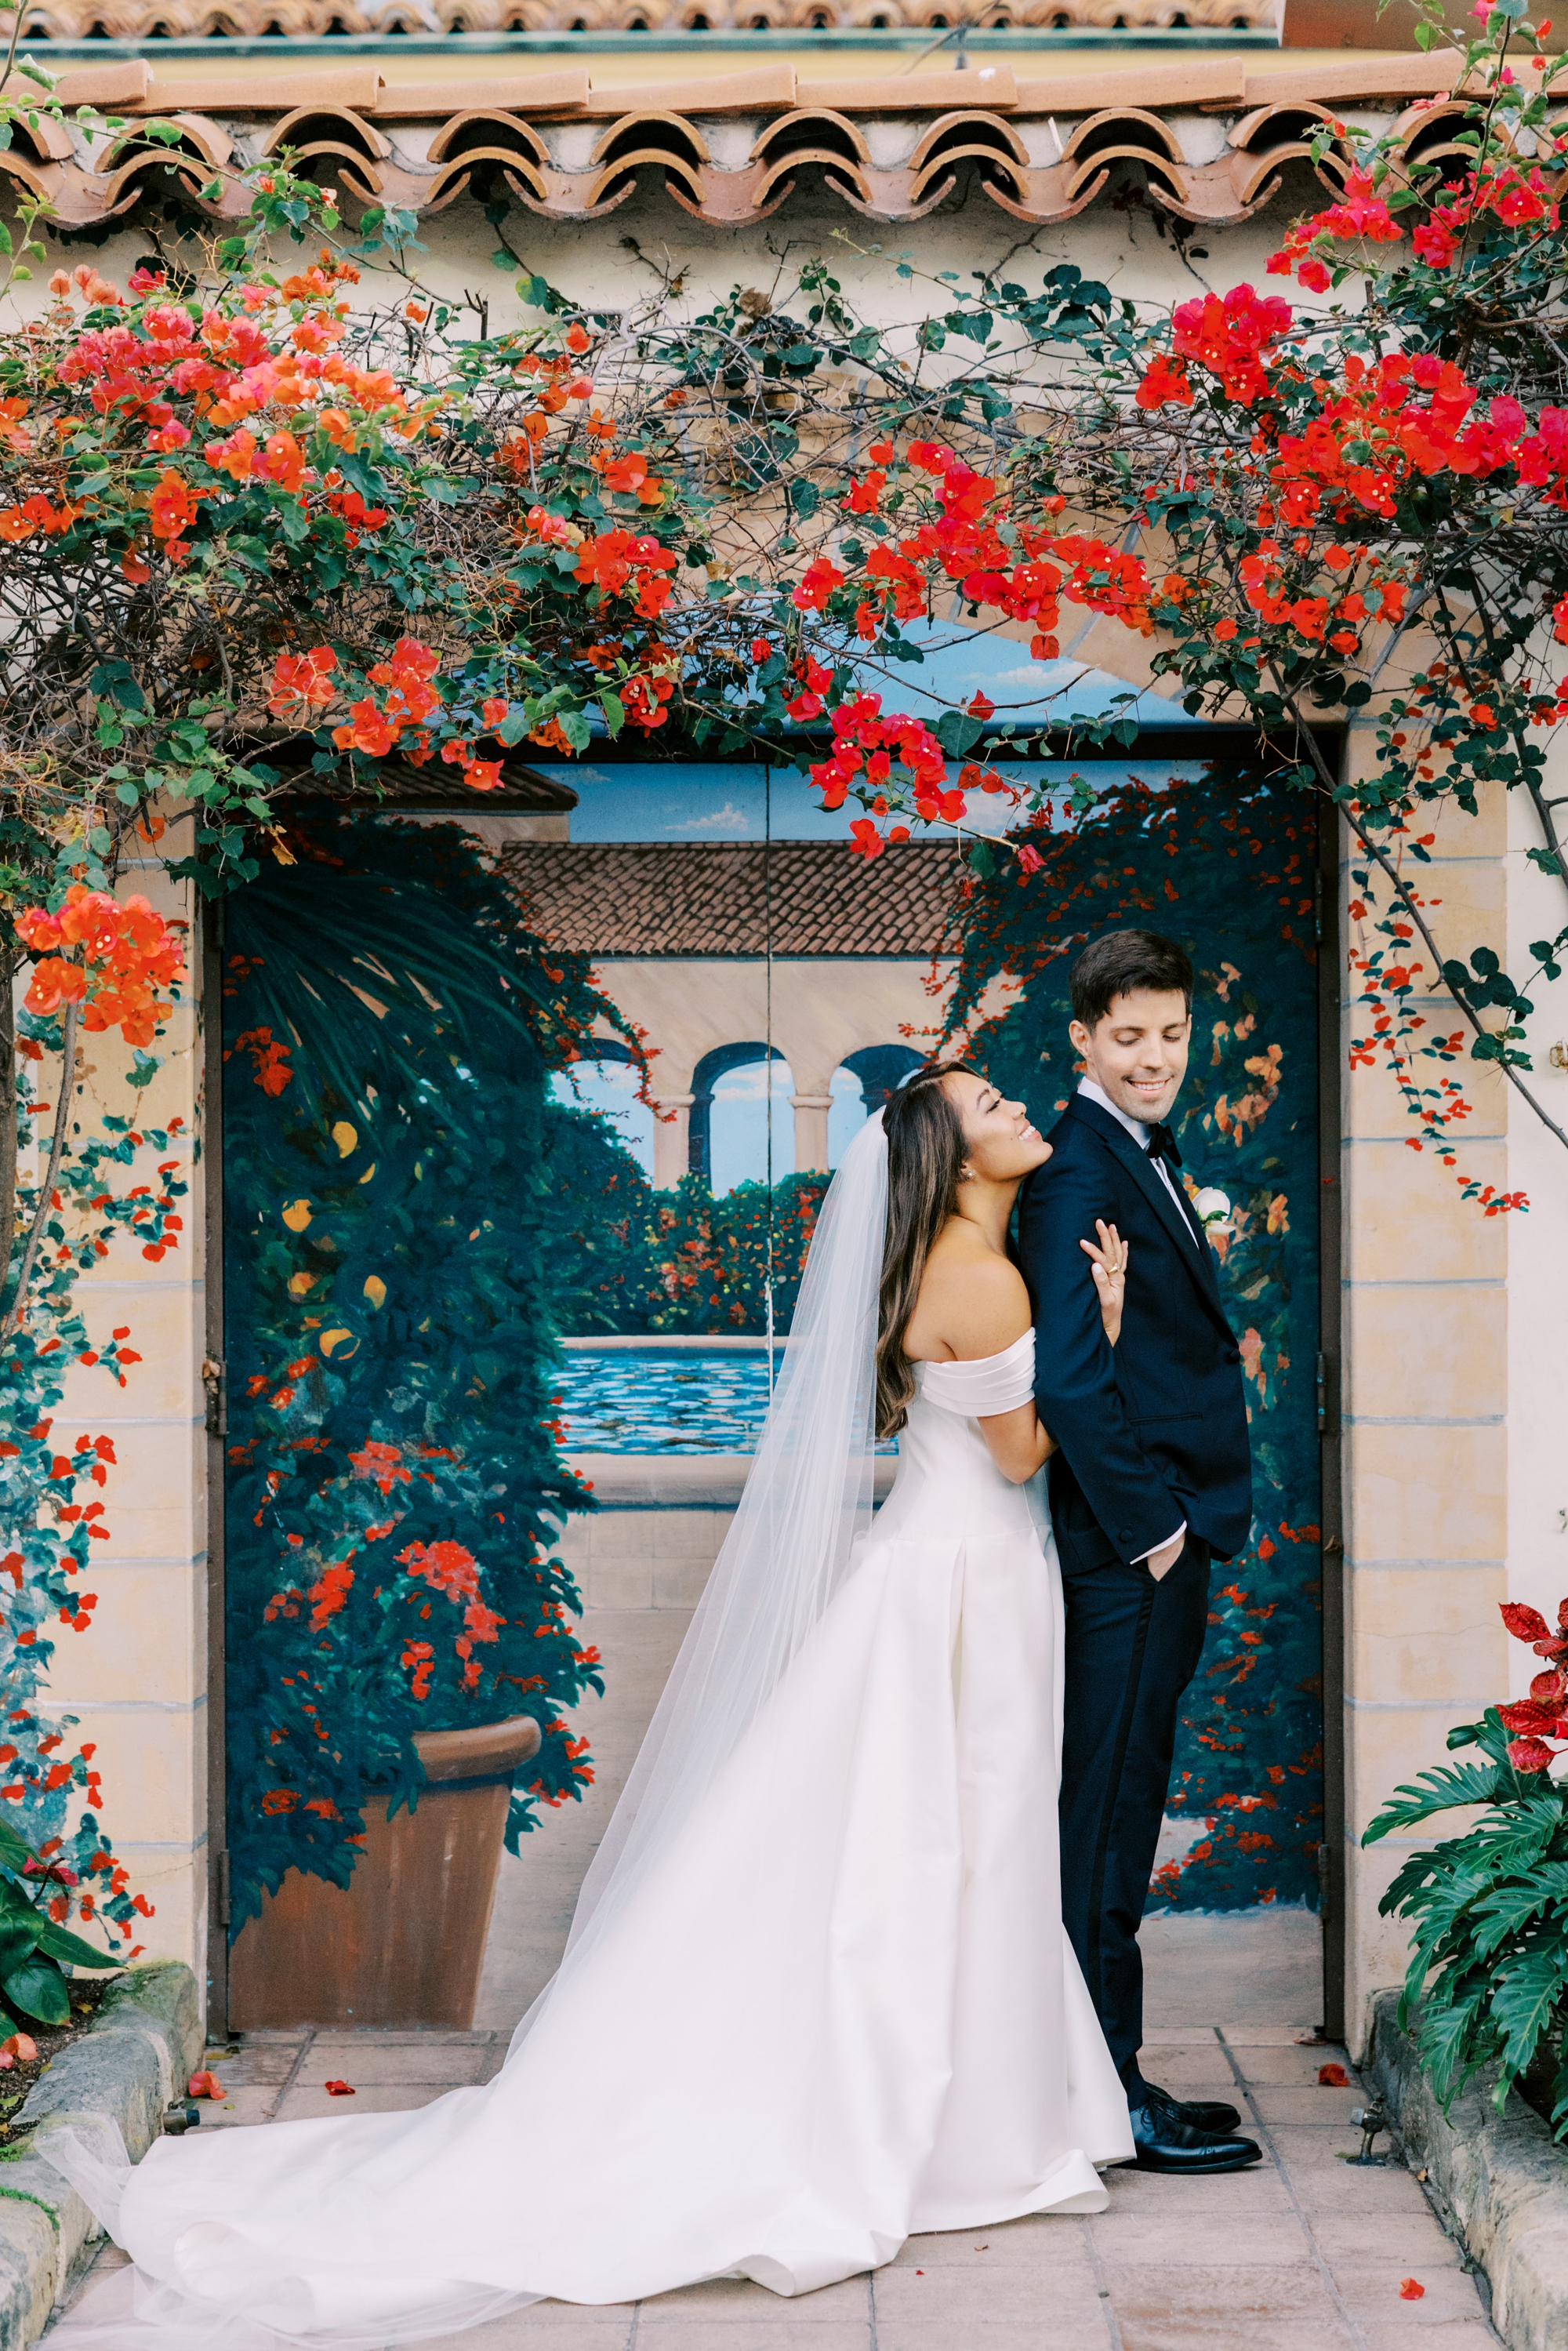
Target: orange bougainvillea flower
x,y
111,959
204,2085
172,509
1411,2290
302,682
1332,2077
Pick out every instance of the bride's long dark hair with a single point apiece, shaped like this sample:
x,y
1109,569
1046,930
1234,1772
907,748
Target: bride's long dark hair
x,y
924,1160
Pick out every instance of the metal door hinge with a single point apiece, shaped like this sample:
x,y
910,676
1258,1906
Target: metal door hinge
x,y
215,1379
1318,904
1326,1879
223,1902
1323,1394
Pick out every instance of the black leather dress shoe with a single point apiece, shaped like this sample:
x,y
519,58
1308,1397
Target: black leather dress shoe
x,y
1165,2143
1203,2113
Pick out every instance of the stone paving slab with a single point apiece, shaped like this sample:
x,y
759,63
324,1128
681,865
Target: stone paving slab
x,y
1306,2252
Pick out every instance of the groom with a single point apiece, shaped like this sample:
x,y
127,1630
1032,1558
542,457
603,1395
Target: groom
x,y
1151,1480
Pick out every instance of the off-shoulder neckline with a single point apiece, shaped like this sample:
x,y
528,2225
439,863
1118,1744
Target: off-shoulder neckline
x,y
972,1363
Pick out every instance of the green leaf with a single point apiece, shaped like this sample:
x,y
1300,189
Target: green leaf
x,y
957,732
71,1949
38,1989
1436,1791
1525,2000
614,711
18,1940
6,245
15,1850
1453,2038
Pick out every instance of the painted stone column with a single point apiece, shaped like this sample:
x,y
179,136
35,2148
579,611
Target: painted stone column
x,y
810,1130
672,1139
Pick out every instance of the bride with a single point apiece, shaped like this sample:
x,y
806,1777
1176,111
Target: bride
x,y
817,1995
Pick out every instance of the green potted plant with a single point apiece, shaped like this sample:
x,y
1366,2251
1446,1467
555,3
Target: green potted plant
x,y
1487,1982
400,1643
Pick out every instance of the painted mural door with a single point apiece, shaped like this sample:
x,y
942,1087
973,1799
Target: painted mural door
x,y
1227,866
715,992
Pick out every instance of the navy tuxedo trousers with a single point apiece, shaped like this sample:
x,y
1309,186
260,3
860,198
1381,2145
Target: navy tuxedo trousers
x,y
1133,1646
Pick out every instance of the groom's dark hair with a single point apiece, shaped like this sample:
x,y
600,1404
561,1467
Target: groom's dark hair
x,y
1121,962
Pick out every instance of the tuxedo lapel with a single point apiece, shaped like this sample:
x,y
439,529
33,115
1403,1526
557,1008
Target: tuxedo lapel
x,y
1197,1253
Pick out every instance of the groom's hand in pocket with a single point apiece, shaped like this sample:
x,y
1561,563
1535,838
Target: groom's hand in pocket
x,y
1160,1563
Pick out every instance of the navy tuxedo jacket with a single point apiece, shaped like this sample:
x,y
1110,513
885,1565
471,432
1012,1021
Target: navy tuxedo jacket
x,y
1154,1429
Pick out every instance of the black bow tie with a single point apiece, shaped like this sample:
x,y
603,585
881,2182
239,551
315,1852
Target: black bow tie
x,y
1162,1145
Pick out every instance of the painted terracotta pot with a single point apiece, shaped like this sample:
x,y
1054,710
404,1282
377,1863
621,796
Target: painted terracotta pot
x,y
403,1944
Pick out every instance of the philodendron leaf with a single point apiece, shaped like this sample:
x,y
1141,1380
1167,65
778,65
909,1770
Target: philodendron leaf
x,y
38,1989
72,1950
14,1851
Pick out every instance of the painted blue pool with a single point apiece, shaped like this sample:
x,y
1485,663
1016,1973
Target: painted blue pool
x,y
627,1400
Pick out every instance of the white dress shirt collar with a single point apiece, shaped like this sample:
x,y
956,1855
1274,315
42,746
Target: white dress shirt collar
x,y
1134,1126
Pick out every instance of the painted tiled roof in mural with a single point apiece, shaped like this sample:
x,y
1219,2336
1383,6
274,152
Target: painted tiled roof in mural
x,y
1210,135
809,897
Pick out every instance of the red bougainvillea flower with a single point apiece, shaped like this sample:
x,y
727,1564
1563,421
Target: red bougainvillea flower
x,y
339,2089
1231,337
1164,383
202,2085
1411,2290
1332,2077
811,592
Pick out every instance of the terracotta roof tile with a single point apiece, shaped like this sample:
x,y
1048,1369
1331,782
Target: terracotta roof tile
x,y
981,124
818,898
1187,81
1353,77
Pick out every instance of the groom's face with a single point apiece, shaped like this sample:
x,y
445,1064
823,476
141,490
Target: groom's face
x,y
1137,1052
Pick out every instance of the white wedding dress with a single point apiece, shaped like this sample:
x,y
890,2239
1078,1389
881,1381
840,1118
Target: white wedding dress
x,y
839,2007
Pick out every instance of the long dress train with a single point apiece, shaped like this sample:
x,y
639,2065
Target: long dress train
x,y
840,2010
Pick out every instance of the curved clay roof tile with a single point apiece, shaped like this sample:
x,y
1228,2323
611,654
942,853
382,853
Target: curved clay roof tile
x,y
329,122
483,130
1056,194
454,177
811,130
1008,172
653,133
1269,125
969,133
1122,130
895,195
680,177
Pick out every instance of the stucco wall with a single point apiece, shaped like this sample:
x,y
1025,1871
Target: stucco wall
x,y
1454,1444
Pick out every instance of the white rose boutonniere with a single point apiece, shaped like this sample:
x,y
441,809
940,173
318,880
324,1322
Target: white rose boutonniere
x,y
1213,1209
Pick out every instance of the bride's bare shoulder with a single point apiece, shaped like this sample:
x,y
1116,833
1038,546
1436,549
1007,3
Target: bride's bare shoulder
x,y
972,1302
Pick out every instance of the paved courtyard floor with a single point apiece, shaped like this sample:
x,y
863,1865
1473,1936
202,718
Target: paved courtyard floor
x,y
1304,2253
